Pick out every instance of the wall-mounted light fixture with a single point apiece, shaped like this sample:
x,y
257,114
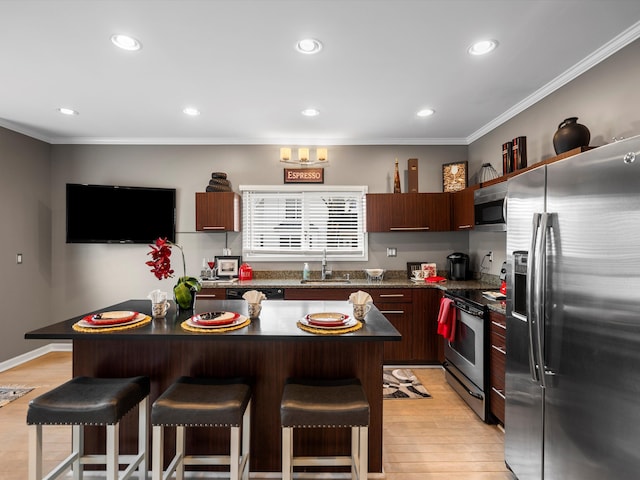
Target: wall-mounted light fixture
x,y
303,156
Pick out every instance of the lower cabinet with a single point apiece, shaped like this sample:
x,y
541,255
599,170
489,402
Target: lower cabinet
x,y
412,311
497,362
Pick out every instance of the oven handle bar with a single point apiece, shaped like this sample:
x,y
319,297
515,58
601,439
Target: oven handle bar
x,y
473,394
464,308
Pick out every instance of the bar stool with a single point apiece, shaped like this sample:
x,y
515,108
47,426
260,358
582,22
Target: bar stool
x,y
325,404
91,401
203,402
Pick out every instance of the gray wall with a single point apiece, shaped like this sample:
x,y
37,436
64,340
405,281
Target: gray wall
x,y
606,99
25,213
93,276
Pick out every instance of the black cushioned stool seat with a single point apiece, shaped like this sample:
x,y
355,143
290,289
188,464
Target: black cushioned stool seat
x,y
203,402
308,403
91,401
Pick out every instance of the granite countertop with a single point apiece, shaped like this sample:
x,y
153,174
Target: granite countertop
x,y
392,279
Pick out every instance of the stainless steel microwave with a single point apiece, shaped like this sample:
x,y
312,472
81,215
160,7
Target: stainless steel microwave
x,y
490,208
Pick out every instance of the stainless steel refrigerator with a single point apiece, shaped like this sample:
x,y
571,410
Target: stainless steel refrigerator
x,y
573,317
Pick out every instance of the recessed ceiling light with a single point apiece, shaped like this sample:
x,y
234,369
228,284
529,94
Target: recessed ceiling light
x,y
67,111
194,112
125,42
309,46
426,112
483,47
310,112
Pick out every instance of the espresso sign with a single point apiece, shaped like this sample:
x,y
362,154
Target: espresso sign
x,y
304,175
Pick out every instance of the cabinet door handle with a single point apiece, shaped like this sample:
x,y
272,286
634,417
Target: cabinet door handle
x,y
207,295
501,350
409,229
498,324
398,312
215,227
499,392
464,227
390,295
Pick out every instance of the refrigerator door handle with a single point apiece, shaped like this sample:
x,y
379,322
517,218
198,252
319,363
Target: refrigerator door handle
x,y
530,289
539,294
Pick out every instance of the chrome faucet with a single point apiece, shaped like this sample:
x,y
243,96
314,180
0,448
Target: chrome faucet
x,y
324,264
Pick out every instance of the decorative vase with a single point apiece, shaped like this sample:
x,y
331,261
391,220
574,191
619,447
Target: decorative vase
x,y
487,172
396,179
570,135
184,296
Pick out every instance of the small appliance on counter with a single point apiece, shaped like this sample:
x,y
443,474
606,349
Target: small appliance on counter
x,y
458,266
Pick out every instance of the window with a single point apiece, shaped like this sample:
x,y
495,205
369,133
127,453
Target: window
x,y
295,222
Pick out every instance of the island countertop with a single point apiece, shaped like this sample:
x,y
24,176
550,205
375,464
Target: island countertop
x,y
277,321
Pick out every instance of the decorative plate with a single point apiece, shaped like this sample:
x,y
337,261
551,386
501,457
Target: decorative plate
x,y
240,319
344,322
90,322
110,318
214,319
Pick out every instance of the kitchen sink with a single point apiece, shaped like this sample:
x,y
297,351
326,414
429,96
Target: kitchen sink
x,y
326,281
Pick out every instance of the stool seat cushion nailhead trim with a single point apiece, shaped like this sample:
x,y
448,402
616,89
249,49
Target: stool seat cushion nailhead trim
x,y
186,403
320,403
88,401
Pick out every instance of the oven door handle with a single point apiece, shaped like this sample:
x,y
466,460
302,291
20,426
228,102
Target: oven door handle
x,y
473,394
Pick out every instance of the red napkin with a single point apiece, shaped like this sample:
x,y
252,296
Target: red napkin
x,y
435,279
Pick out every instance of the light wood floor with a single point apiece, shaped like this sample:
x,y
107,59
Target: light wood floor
x,y
428,439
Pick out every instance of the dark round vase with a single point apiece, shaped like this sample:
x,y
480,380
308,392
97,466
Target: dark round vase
x,y
570,135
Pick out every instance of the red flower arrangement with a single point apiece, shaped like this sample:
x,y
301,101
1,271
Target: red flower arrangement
x,y
184,291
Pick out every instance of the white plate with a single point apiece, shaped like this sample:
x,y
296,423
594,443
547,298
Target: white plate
x,y
238,321
350,322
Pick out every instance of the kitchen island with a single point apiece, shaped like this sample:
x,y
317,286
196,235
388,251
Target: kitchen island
x,y
268,351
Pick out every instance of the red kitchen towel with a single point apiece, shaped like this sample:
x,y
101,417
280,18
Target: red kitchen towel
x,y
447,319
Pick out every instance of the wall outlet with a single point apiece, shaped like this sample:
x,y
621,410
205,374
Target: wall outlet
x,y
392,252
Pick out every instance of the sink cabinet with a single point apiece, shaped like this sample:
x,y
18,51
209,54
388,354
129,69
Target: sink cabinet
x,y
412,311
497,362
408,212
217,212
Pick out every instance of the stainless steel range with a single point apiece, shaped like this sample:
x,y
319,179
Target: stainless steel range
x,y
466,357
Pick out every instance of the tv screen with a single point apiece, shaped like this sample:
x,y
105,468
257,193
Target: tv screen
x,y
116,214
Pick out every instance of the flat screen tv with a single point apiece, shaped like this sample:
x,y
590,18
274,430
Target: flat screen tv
x,y
116,214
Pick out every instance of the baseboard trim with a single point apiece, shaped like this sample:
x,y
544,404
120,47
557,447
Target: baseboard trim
x,y
33,354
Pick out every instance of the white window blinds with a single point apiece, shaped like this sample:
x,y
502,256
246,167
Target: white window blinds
x,y
280,223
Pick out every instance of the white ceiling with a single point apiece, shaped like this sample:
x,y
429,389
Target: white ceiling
x,y
235,60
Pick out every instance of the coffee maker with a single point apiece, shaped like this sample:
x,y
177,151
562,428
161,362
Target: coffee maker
x,y
458,266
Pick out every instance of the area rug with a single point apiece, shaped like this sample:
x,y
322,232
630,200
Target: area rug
x,y
8,393
402,383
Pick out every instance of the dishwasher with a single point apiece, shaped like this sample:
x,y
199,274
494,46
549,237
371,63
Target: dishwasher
x,y
270,293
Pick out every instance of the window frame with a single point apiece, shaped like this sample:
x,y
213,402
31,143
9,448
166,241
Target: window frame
x,y
249,192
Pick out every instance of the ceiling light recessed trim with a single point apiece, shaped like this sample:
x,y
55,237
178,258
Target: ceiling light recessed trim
x,y
191,111
425,112
309,46
68,111
482,47
310,112
126,42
